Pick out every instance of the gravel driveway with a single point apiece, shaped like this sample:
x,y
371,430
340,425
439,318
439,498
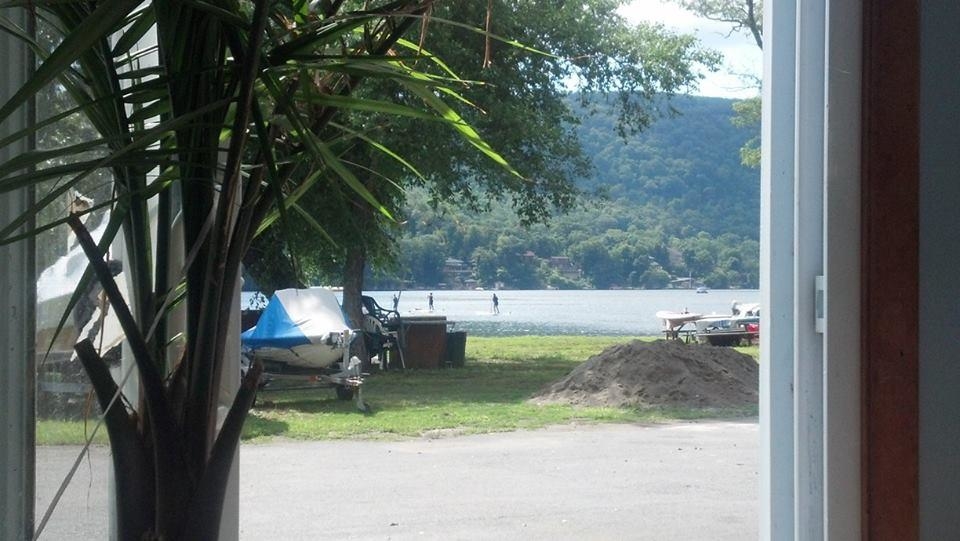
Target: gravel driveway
x,y
683,481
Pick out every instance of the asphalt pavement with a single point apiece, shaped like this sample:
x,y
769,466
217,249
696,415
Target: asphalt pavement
x,y
676,481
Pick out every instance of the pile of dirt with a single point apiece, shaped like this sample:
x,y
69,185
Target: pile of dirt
x,y
665,373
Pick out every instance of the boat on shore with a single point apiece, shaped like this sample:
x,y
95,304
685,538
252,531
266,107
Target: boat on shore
x,y
739,326
303,335
742,325
727,330
301,328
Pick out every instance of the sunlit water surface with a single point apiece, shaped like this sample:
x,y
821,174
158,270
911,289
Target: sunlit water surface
x,y
553,312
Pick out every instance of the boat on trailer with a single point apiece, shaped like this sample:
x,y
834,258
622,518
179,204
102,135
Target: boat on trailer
x,y
727,330
741,325
302,334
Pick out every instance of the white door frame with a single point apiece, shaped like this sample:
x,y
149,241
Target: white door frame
x,y
810,484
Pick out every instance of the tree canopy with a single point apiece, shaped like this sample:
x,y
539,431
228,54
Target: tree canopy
x,y
744,16
518,102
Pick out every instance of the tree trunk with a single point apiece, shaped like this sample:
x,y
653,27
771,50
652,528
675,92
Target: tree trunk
x,y
352,290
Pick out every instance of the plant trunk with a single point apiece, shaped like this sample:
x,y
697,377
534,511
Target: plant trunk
x,y
132,464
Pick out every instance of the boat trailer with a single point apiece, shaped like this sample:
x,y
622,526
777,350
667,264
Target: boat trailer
x,y
344,377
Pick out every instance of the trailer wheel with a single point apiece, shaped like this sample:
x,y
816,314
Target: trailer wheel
x,y
344,392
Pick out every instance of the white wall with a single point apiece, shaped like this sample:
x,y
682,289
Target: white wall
x,y
939,271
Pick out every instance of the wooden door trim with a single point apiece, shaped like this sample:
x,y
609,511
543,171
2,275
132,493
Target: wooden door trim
x,y
890,264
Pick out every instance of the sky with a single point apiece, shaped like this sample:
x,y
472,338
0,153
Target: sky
x,y
740,52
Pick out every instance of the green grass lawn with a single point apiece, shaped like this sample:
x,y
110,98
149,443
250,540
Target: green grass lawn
x,y
488,394
57,432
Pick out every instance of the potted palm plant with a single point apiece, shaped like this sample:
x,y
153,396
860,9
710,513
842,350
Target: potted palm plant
x,y
219,116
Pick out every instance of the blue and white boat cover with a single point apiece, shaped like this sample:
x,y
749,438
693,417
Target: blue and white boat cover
x,y
300,327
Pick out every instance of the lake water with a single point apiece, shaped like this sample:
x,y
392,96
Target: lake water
x,y
552,312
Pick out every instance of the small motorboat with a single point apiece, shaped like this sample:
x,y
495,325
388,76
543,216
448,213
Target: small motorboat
x,y
301,328
303,333
743,325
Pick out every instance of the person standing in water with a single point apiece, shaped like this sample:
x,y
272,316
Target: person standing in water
x,y
496,304
396,302
430,301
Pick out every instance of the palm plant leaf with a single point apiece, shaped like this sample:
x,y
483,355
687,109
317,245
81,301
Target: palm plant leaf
x,y
383,149
143,140
459,124
101,22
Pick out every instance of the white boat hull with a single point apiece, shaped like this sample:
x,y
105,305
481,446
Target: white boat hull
x,y
306,356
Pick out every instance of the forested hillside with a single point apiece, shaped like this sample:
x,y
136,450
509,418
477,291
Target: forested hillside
x,y
687,166
673,201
